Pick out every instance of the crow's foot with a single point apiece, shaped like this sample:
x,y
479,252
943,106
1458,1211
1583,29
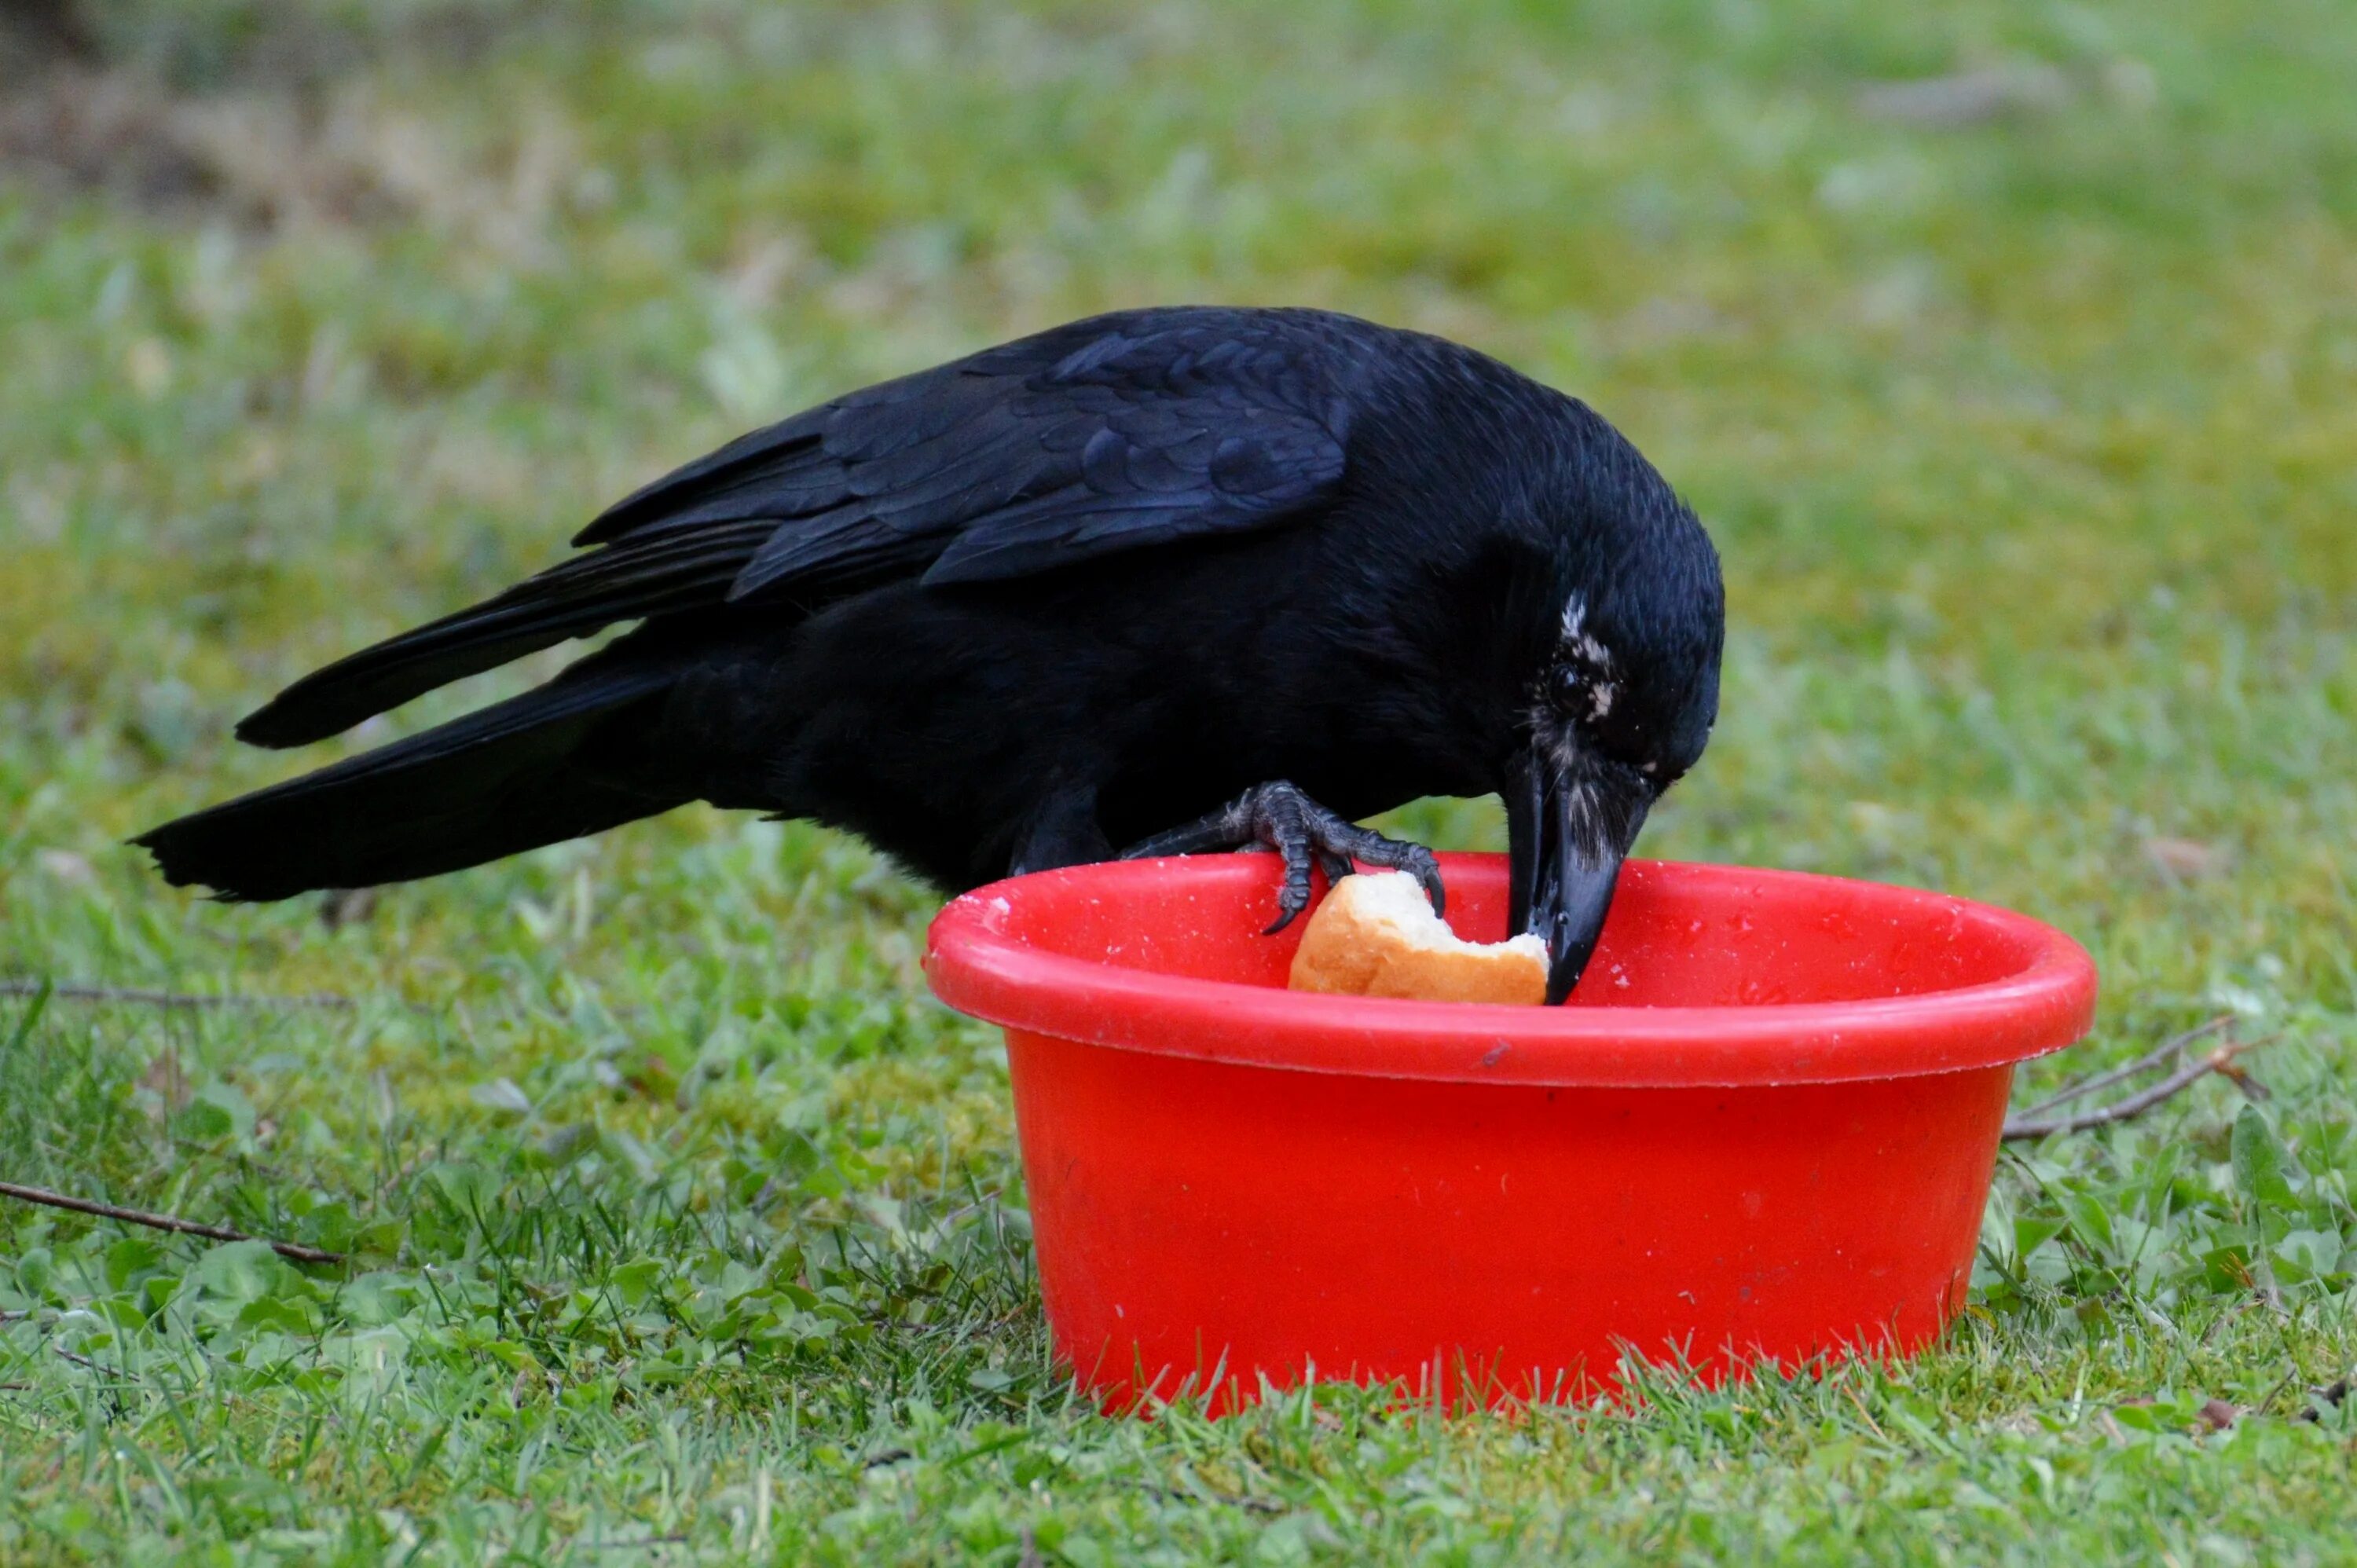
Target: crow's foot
x,y
1277,816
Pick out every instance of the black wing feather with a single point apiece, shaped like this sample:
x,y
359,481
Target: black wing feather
x,y
1105,436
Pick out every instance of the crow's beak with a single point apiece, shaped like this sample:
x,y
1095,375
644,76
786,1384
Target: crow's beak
x,y
1567,839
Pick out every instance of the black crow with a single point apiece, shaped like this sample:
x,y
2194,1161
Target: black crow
x,y
1058,597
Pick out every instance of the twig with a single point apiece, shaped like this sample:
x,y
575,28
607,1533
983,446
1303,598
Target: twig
x,y
2268,1403
1863,1414
2145,1063
77,992
2221,1061
294,1249
639,1542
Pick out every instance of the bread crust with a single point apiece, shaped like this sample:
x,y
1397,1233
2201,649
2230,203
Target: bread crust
x,y
1367,939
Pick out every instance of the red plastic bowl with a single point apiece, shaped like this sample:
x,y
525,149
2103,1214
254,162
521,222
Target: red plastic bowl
x,y
1764,1127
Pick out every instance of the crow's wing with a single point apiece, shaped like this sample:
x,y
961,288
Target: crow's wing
x,y
1099,437
1103,436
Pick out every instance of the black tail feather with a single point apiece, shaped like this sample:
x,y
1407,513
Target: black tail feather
x,y
507,779
576,598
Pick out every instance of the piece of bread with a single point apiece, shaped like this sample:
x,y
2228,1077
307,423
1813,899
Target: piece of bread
x,y
1375,935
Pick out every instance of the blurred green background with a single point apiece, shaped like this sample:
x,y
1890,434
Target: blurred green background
x,y
2008,349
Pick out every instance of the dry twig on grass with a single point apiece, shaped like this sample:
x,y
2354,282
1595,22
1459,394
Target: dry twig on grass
x,y
295,1250
2221,1061
77,992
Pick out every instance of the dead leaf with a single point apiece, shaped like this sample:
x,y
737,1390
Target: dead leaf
x,y
66,866
2216,1415
347,907
2331,1396
651,1077
165,1079
501,1094
147,366
1967,97
2188,860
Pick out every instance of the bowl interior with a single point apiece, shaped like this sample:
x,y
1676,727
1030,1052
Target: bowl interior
x,y
1679,935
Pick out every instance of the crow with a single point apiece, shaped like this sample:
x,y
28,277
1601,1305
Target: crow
x,y
1180,579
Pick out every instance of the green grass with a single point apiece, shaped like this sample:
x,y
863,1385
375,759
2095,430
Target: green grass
x,y
686,1226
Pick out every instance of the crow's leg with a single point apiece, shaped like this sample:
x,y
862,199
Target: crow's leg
x,y
1061,831
1277,816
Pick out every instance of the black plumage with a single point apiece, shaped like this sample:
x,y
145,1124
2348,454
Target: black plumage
x,y
1070,592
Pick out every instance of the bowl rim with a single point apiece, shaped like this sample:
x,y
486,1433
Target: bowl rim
x,y
977,968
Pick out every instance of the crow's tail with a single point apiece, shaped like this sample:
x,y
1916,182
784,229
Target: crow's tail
x,y
513,777
669,570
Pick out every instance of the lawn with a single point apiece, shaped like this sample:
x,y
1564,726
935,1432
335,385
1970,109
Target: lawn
x,y
683,1225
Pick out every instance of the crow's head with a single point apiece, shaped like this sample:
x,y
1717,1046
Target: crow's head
x,y
1621,687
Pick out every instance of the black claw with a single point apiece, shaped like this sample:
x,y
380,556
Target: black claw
x,y
1425,866
1293,898
1277,816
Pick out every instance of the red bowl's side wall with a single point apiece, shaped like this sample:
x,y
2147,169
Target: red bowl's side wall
x,y
1197,1218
